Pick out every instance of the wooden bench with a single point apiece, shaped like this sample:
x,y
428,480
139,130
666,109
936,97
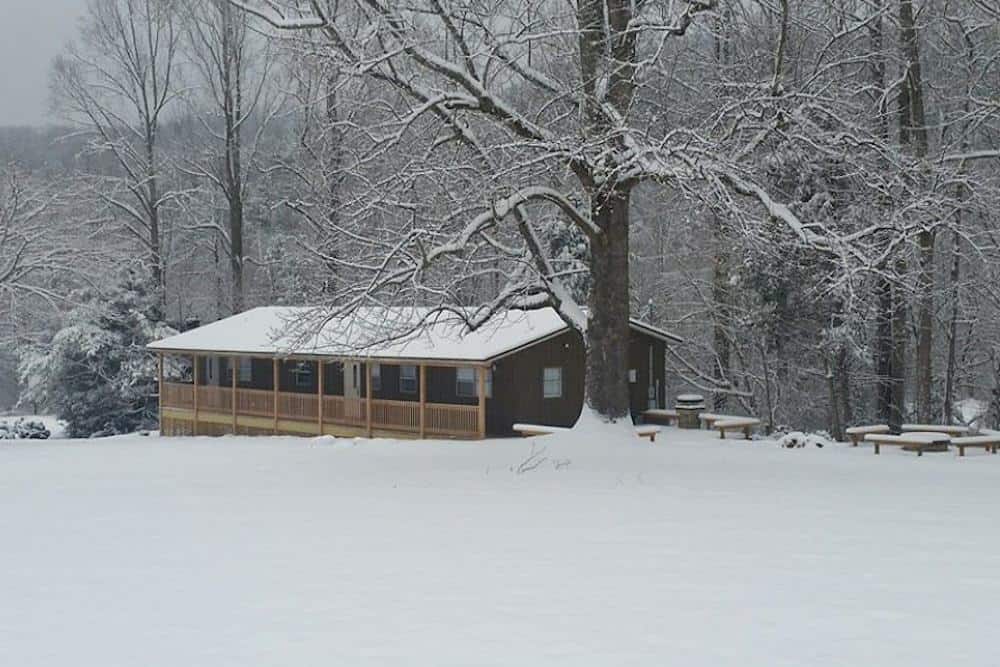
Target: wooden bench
x,y
919,440
856,433
989,442
659,416
529,430
935,428
745,424
647,431
708,419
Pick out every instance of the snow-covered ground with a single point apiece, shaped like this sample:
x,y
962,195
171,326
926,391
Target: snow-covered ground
x,y
691,551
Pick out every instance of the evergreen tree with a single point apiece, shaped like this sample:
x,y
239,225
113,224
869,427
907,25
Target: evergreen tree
x,y
96,374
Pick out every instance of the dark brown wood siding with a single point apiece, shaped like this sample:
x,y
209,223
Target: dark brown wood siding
x,y
517,386
648,389
390,388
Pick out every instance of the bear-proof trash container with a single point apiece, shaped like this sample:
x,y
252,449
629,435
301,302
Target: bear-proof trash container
x,y
688,407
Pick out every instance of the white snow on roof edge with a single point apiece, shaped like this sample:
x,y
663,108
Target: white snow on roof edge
x,y
374,333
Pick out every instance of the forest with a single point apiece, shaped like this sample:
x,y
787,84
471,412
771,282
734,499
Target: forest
x,y
805,190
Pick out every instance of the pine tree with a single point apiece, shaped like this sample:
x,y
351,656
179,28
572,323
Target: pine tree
x,y
96,374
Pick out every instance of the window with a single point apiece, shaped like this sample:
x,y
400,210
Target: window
x,y
355,373
552,382
376,377
245,370
465,382
408,379
302,375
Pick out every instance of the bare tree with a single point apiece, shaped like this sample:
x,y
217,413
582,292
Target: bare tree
x,y
116,84
232,66
29,252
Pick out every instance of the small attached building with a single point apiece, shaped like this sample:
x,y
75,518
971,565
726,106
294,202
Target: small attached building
x,y
267,371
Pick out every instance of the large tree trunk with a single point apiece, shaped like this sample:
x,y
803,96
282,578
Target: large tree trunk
x,y
913,132
608,327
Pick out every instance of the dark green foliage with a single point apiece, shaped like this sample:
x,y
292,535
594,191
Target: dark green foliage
x,y
96,374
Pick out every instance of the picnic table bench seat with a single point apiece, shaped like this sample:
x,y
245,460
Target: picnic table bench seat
x,y
537,429
920,440
745,424
856,433
708,419
988,441
645,431
935,428
660,416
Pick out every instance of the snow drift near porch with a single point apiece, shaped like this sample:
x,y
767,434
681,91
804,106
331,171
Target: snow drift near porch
x,y
692,551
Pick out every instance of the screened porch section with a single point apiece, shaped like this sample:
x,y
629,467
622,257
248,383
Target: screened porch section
x,y
215,395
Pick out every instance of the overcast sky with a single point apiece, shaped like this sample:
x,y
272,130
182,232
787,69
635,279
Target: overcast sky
x,y
31,33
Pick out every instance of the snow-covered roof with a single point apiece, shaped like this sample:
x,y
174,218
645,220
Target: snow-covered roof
x,y
379,333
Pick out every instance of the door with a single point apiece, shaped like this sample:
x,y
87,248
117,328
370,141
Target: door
x,y
352,379
654,385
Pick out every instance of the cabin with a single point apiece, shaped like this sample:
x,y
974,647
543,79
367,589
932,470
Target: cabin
x,y
281,370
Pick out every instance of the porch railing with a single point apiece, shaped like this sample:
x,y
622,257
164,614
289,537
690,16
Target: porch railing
x,y
404,416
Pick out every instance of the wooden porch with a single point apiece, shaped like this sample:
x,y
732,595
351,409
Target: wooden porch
x,y
193,408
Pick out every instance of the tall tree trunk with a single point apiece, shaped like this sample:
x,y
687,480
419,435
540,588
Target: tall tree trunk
x,y
722,370
836,426
884,389
607,53
949,386
720,336
897,372
232,91
842,370
331,247
913,132
888,377
608,328
153,216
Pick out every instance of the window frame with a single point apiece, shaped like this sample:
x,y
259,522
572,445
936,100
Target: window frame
x,y
546,382
404,382
244,370
459,382
376,377
301,370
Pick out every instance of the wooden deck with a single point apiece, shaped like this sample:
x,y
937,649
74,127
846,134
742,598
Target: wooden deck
x,y
220,410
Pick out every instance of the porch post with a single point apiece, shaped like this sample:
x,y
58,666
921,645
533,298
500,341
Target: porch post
x,y
319,407
233,361
368,398
159,391
482,402
274,389
423,400
194,391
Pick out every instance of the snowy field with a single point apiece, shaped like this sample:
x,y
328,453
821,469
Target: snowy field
x,y
141,551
